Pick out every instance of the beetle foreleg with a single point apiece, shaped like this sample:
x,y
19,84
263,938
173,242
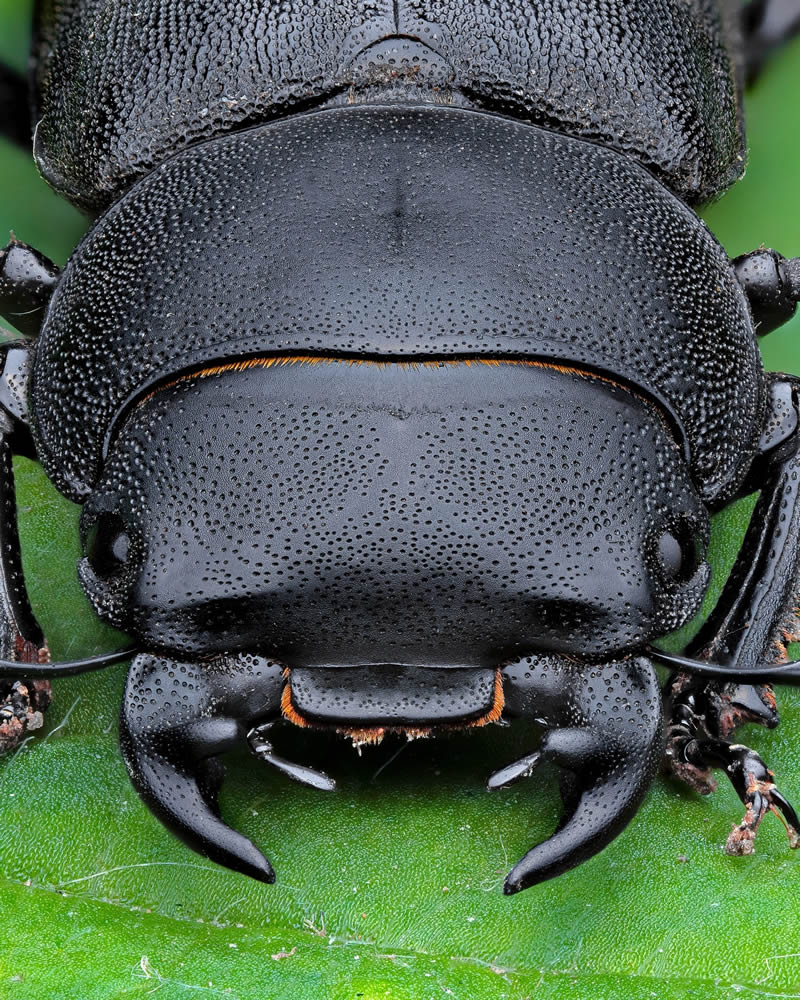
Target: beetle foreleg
x,y
754,616
747,632
604,733
692,753
27,280
772,285
767,25
21,699
755,786
15,118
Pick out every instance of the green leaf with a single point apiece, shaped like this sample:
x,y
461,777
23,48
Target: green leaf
x,y
390,887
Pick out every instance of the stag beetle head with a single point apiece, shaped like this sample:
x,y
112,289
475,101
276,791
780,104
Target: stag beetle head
x,y
330,513
427,386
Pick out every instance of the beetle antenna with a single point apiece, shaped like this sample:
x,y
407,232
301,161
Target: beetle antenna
x,y
66,668
779,673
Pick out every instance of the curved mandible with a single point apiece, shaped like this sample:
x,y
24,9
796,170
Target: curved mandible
x,y
604,733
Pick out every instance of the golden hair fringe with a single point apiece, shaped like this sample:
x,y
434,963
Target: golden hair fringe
x,y
282,360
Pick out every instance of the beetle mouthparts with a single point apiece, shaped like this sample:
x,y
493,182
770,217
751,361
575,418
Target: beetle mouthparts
x,y
367,702
261,747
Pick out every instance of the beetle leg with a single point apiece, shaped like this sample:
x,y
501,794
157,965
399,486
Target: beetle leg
x,y
772,285
22,700
746,632
723,705
177,718
755,614
604,731
754,784
767,25
27,280
693,750
15,118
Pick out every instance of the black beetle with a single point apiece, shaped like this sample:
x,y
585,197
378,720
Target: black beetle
x,y
398,380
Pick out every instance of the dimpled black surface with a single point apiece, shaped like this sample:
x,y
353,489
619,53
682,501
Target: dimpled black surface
x,y
124,85
603,730
392,695
332,514
400,232
176,717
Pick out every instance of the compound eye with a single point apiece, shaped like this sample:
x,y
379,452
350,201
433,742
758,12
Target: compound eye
x,y
108,545
680,552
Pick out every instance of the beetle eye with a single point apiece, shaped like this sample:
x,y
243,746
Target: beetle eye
x,y
679,552
108,545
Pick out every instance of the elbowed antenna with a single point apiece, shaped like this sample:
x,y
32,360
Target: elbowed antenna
x,y
66,668
779,673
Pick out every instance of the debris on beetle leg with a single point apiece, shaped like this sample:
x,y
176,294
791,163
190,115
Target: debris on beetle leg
x,y
762,795
741,840
21,706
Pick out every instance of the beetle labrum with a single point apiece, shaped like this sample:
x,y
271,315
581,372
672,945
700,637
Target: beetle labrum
x,y
397,380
